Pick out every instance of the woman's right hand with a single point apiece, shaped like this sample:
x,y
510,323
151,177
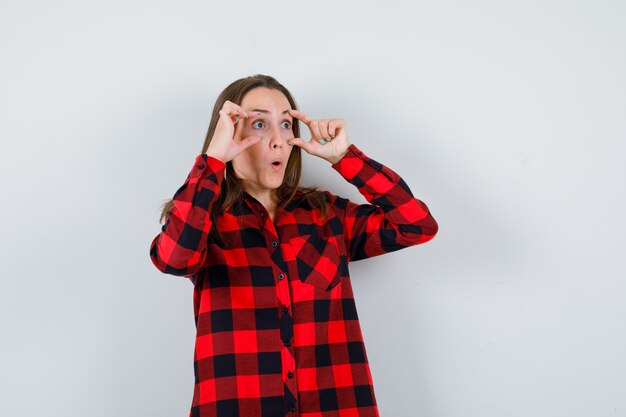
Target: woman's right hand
x,y
223,145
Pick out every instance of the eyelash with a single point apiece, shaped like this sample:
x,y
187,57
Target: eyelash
x,y
259,120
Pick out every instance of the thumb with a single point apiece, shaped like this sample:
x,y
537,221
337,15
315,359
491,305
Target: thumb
x,y
298,142
249,141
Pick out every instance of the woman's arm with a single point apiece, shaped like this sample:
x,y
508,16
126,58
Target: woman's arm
x,y
180,247
393,221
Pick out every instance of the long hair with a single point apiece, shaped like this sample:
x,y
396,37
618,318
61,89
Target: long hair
x,y
231,190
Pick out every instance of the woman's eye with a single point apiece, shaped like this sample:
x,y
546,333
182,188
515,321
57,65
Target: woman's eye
x,y
288,124
257,121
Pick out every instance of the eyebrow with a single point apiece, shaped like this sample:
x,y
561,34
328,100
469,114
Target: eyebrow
x,y
266,111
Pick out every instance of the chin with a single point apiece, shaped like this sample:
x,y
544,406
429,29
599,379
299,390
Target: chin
x,y
274,185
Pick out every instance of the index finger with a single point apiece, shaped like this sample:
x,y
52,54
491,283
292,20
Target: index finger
x,y
301,116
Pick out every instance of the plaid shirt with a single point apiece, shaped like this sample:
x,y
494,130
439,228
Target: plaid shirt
x,y
277,327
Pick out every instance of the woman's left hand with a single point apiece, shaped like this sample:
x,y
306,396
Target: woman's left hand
x,y
329,137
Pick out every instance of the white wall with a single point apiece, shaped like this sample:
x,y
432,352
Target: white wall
x,y
506,118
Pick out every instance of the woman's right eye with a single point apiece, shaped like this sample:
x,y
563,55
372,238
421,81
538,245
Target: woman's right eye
x,y
257,121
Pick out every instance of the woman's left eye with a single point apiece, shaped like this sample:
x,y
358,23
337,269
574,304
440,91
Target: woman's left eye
x,y
286,124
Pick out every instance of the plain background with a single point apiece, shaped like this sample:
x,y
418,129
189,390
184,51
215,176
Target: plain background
x,y
505,118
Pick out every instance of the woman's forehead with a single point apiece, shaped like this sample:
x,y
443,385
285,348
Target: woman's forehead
x,y
263,100
264,111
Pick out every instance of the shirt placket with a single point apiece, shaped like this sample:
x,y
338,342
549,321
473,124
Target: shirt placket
x,y
283,295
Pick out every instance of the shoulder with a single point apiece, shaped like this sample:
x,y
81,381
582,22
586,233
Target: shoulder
x,y
334,200
309,195
313,199
319,196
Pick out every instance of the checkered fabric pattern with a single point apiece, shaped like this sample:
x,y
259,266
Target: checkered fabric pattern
x,y
277,326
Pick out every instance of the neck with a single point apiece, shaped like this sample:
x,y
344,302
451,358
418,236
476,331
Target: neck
x,y
266,197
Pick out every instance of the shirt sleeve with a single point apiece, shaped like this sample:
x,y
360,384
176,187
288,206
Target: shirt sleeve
x,y
180,247
394,220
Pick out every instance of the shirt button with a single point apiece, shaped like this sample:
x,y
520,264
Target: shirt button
x,y
293,408
290,375
287,343
285,310
274,243
281,276
201,166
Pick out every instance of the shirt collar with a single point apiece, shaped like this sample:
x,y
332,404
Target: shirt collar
x,y
251,203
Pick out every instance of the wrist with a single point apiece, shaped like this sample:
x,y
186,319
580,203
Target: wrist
x,y
216,156
337,158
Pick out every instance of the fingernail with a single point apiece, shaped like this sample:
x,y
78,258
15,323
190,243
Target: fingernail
x,y
289,142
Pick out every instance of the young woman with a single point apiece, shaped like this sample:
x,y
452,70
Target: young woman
x,y
277,327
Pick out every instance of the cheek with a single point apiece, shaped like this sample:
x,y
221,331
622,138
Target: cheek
x,y
241,161
254,154
248,160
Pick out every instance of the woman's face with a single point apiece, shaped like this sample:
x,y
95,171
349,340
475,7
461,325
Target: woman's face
x,y
267,119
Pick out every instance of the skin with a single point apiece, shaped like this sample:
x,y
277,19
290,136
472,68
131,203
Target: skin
x,y
253,165
252,140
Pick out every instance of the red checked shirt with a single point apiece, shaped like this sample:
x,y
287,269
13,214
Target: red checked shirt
x,y
277,327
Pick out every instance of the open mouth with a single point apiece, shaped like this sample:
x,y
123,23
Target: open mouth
x,y
277,164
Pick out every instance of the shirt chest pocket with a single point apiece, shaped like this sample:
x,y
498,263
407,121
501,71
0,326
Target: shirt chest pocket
x,y
317,260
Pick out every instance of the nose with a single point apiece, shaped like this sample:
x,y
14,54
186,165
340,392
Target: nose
x,y
277,140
